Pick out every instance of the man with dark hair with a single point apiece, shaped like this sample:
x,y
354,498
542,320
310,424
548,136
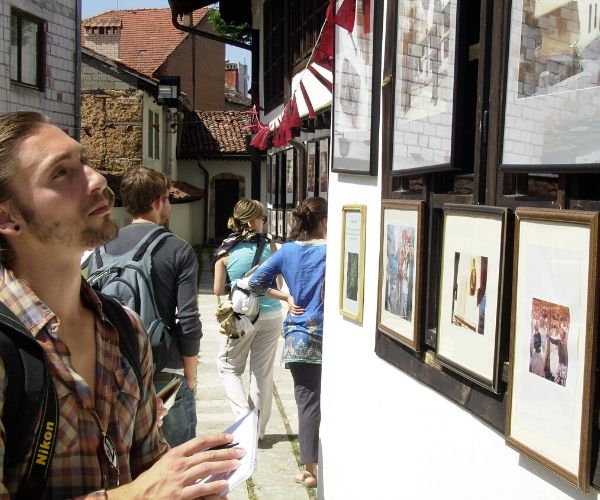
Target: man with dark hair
x,y
145,195
107,444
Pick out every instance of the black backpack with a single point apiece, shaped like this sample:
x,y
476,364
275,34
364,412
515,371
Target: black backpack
x,y
28,390
128,279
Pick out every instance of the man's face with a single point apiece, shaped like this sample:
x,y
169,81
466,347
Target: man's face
x,y
165,209
59,197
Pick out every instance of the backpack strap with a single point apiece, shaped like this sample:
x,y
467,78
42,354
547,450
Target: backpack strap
x,y
150,242
128,336
28,390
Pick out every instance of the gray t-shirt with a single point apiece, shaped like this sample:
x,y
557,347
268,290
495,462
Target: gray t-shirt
x,y
174,280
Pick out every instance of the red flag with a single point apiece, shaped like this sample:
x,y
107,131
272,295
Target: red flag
x,y
346,15
323,51
259,141
367,17
294,117
277,142
311,110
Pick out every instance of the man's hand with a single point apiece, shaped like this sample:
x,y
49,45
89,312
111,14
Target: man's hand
x,y
175,475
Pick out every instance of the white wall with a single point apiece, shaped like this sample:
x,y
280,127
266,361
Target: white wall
x,y
385,435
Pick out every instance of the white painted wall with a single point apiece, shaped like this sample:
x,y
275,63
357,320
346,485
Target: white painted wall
x,y
385,435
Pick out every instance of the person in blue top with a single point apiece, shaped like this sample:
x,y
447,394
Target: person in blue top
x,y
302,264
233,259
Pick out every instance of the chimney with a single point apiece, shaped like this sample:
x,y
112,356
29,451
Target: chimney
x,y
103,35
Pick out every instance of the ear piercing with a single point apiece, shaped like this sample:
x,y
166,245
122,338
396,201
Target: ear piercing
x,y
17,227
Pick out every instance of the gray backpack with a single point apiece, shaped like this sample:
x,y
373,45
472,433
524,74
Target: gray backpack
x,y
127,278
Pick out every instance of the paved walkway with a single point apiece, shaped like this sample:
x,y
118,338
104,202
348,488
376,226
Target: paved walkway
x,y
276,461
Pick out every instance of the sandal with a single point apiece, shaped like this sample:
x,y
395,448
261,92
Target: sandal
x,y
306,479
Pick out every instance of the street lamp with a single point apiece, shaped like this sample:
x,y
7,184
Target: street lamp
x,y
168,91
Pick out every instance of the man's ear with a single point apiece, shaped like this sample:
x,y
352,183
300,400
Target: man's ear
x,y
9,224
156,203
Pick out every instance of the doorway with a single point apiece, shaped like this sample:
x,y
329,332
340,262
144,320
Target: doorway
x,y
227,193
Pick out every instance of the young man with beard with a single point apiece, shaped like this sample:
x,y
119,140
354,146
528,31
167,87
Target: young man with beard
x,y
145,195
52,208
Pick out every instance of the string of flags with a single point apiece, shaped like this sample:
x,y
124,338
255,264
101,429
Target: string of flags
x,y
322,56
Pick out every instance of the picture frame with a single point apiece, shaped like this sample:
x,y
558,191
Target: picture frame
x,y
471,292
400,271
274,181
352,262
419,87
311,169
356,95
289,176
269,179
272,222
280,224
546,77
323,183
289,220
553,340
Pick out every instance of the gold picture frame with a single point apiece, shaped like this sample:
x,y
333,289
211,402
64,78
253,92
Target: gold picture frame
x,y
352,262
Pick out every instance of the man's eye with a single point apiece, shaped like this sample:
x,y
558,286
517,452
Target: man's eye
x,y
59,173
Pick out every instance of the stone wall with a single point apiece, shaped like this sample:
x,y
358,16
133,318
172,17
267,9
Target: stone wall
x,y
111,122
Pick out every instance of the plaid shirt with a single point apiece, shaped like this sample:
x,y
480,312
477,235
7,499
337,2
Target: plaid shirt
x,y
116,405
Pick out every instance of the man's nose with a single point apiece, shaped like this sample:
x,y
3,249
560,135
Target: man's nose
x,y
96,181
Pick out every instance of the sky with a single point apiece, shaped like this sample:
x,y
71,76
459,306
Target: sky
x,y
93,7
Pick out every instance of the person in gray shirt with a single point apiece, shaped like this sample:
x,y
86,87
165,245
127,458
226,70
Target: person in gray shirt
x,y
145,195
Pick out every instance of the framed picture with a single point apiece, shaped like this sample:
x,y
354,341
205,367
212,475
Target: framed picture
x,y
352,273
272,221
280,225
471,291
289,176
420,85
311,162
289,220
400,265
552,71
553,340
357,84
323,168
273,183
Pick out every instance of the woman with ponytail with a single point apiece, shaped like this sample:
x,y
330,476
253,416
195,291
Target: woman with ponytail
x,y
302,264
233,259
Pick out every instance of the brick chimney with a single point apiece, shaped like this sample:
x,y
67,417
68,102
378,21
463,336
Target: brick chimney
x,y
103,35
231,74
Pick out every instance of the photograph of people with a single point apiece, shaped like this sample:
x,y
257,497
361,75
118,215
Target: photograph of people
x,y
548,344
469,292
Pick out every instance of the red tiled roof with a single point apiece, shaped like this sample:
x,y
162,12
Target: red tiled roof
x,y
218,133
147,35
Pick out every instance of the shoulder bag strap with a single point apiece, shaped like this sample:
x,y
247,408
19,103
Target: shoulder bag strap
x,y
29,389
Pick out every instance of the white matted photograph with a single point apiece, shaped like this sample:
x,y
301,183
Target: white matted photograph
x,y
471,291
399,274
553,338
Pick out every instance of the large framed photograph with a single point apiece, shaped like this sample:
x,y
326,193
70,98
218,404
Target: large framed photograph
x,y
272,222
273,179
289,221
289,176
400,266
352,272
357,84
420,85
552,72
471,292
311,165
553,340
323,168
280,224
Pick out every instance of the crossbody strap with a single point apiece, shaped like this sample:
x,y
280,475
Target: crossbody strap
x,y
29,391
